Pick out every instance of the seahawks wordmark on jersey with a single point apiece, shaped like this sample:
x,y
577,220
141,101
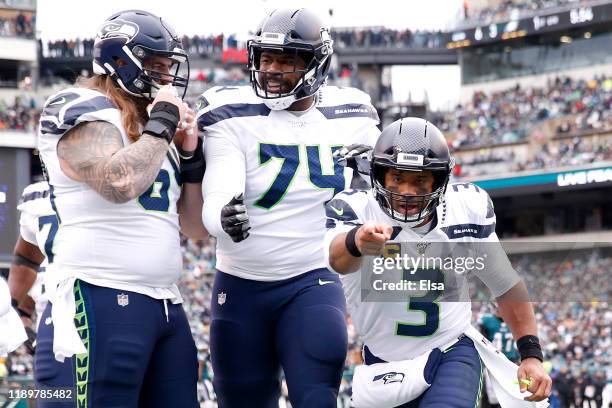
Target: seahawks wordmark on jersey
x,y
134,245
283,163
437,309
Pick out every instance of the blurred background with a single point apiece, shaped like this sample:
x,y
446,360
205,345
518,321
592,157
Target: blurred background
x,y
521,89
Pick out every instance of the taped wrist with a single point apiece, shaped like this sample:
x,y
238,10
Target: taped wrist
x,y
20,312
192,169
529,346
351,246
163,121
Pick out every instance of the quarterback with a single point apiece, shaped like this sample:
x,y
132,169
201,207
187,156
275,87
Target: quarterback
x,y
115,331
411,205
270,170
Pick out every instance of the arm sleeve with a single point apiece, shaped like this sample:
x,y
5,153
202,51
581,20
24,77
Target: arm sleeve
x,y
27,227
498,274
224,177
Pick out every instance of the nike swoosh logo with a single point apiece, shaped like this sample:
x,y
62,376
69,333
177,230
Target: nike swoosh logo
x,y
337,211
59,102
325,282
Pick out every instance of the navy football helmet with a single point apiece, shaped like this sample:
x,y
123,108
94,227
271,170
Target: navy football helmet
x,y
410,144
126,40
291,31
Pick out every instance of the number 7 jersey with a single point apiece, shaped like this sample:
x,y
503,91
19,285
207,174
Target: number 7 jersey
x,y
283,163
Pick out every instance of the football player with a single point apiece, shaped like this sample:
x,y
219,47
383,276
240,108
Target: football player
x,y
409,208
270,170
37,224
124,167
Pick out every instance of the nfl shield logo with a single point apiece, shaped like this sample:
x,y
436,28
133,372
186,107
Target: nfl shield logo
x,y
123,300
221,298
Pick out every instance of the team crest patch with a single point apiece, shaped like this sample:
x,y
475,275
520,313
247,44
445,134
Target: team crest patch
x,y
389,378
123,299
221,298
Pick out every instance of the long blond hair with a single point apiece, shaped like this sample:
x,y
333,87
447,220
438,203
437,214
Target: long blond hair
x,y
133,109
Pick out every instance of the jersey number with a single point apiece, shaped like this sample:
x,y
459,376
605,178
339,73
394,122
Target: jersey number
x,y
290,155
156,196
53,223
426,304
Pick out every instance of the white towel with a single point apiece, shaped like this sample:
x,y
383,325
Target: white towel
x,y
503,374
388,385
66,339
12,332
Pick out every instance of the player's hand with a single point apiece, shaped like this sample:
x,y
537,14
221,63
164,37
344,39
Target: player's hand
x,y
235,220
168,94
371,237
186,136
352,155
533,378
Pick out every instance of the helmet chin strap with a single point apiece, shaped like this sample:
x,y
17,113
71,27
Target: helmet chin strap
x,y
281,103
284,102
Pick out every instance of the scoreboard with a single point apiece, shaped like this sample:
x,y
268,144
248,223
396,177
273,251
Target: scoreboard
x,y
577,17
14,177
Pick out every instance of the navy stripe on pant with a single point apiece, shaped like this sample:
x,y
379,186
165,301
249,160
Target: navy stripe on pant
x,y
457,382
257,327
137,357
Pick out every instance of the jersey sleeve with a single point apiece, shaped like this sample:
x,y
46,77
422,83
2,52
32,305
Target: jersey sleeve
x,y
225,166
27,227
344,212
69,108
498,275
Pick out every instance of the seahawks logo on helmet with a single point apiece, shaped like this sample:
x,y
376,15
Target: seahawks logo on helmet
x,y
389,378
117,28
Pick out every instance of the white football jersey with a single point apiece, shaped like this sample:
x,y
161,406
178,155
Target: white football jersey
x,y
38,226
132,246
283,163
397,330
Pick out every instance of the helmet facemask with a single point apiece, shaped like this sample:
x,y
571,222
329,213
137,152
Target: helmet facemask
x,y
311,76
150,81
409,209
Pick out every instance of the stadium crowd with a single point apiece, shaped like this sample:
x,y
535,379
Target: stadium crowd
x,y
201,45
22,114
511,115
386,37
572,298
206,46
21,25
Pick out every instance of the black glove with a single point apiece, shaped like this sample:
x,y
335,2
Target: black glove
x,y
354,156
235,220
30,343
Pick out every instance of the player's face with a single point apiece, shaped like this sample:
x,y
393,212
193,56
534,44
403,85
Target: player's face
x,y
159,68
409,183
280,72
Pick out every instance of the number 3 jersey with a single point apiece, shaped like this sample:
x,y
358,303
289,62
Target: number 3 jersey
x,y
131,246
283,163
402,325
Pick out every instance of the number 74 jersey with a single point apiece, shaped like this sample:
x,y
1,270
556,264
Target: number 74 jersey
x,y
283,163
